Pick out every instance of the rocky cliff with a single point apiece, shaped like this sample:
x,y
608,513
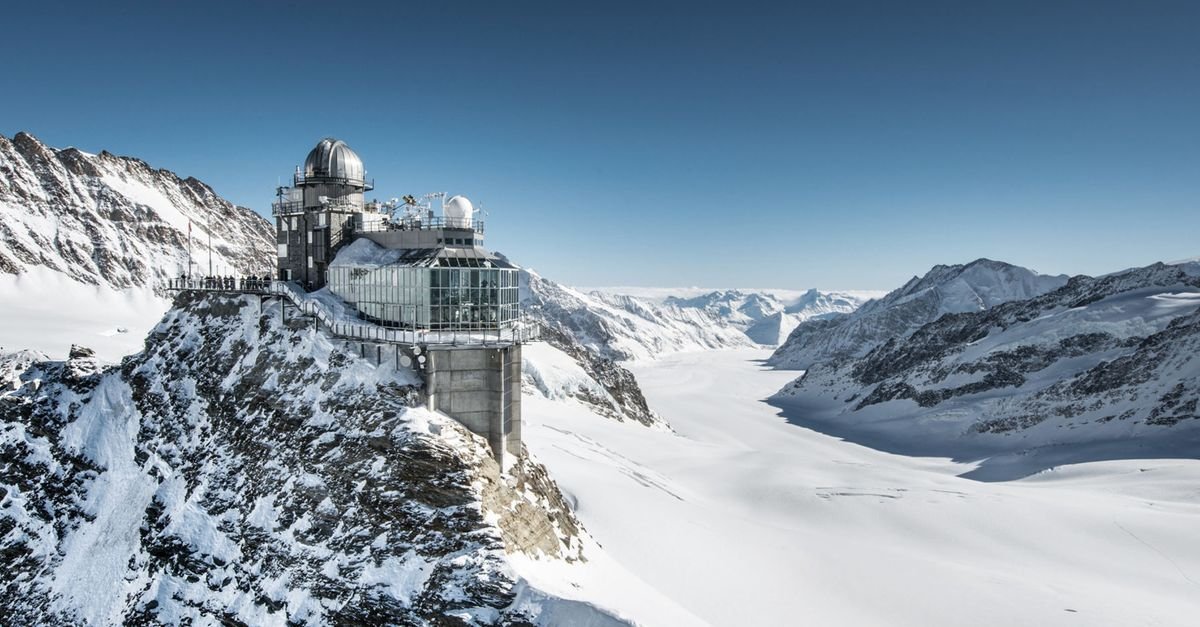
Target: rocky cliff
x,y
244,470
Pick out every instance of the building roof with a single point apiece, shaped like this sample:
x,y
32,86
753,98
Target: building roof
x,y
333,159
363,252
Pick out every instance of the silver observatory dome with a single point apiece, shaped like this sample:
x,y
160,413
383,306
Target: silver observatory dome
x,y
333,159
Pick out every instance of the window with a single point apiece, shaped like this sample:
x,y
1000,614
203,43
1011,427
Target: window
x,y
455,298
283,250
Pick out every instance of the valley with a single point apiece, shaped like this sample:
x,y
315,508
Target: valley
x,y
743,518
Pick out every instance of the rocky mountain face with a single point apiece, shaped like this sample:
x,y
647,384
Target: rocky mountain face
x,y
976,286
577,372
117,221
620,327
1113,359
246,470
597,331
601,328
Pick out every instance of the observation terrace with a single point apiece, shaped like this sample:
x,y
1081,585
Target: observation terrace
x,y
341,320
409,223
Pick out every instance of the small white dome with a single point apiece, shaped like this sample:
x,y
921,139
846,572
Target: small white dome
x,y
458,211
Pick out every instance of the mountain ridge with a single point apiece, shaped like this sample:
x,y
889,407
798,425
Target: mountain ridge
x,y
957,288
1100,362
117,221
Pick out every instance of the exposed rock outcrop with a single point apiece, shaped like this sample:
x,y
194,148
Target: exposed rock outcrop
x,y
1106,359
246,470
976,286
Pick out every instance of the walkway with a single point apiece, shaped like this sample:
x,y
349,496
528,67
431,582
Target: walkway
x,y
345,327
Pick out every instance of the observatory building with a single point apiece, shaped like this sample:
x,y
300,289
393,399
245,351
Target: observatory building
x,y
312,215
414,275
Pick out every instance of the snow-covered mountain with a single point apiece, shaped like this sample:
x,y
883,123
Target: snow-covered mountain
x,y
976,286
623,327
243,470
767,317
561,368
597,330
104,219
105,230
736,307
1108,362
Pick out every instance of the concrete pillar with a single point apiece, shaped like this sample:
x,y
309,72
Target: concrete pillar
x,y
480,388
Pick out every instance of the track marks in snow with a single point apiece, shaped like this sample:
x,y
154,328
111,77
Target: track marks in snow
x,y
828,493
1178,568
595,451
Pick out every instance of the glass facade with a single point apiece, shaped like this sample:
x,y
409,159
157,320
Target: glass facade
x,y
452,299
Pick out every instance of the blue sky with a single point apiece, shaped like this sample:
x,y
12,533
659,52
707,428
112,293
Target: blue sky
x,y
848,146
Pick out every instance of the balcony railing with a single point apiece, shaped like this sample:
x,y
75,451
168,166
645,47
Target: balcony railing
x,y
293,207
520,331
299,179
287,208
421,224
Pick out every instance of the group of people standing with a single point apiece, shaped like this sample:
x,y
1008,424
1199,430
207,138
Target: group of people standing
x,y
231,283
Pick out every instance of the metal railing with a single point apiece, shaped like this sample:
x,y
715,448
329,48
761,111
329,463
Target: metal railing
x,y
408,223
299,179
287,208
524,330
420,224
295,207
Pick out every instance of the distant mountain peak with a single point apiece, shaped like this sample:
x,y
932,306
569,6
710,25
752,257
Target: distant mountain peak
x,y
956,288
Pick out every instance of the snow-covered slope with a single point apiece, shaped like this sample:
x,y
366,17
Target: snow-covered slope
x,y
104,219
622,327
734,306
944,289
1101,367
596,331
745,519
245,470
85,240
601,327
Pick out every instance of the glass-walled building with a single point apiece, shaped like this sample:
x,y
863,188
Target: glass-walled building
x,y
450,289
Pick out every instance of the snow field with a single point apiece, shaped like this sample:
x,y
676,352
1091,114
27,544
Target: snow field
x,y
742,518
